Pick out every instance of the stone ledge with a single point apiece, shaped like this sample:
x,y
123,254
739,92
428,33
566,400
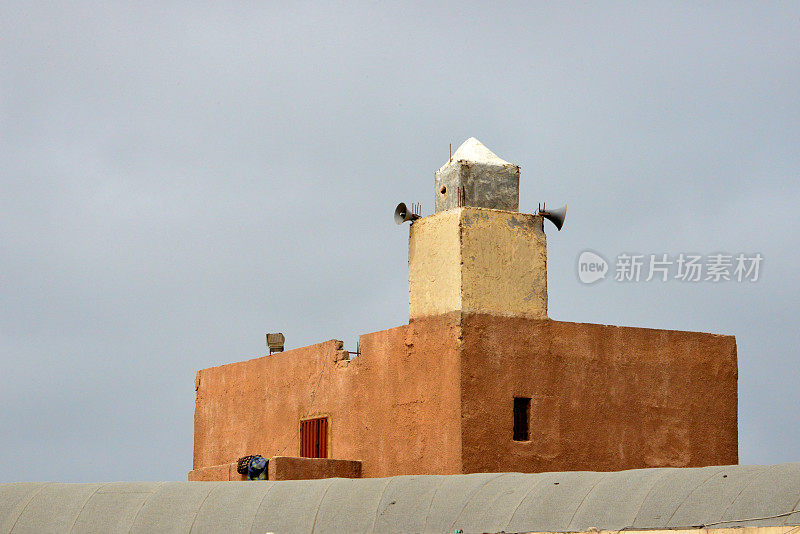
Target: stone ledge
x,y
285,468
215,473
294,468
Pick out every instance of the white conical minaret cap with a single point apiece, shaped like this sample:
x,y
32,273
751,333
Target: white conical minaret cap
x,y
475,177
474,150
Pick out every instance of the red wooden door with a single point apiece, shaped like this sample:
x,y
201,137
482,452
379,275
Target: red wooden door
x,y
314,438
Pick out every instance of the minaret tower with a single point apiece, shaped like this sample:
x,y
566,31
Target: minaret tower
x,y
477,253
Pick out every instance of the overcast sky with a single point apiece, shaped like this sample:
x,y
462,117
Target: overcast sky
x,y
176,180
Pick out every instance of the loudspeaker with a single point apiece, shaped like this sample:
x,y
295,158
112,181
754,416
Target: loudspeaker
x,y
555,216
403,214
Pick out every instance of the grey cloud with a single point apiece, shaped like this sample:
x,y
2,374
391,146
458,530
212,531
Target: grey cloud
x,y
176,180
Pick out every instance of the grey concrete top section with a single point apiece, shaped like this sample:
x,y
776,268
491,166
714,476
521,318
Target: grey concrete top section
x,y
486,181
715,497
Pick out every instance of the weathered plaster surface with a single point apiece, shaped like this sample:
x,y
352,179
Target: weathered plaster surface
x,y
504,263
487,180
283,468
436,397
434,264
604,398
292,468
396,407
215,473
478,260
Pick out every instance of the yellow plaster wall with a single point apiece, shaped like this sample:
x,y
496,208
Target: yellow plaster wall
x,y
434,265
478,260
504,263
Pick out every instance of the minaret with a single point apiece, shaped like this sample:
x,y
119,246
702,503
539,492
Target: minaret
x,y
481,178
477,253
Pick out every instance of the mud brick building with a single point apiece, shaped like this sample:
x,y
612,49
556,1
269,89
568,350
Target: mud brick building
x,y
480,379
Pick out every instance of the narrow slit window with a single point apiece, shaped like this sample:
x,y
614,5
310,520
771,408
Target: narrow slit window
x,y
314,438
522,411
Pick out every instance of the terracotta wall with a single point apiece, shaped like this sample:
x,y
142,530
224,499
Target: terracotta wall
x,y
436,397
396,407
293,468
216,473
603,397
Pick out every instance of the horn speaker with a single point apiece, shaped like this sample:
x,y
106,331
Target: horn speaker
x,y
555,216
403,214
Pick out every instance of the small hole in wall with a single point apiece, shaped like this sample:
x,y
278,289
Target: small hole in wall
x,y
522,410
443,190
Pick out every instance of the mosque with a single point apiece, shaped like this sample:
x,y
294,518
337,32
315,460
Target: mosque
x,y
481,414
480,379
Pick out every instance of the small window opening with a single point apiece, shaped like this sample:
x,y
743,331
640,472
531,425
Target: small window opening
x,y
522,410
444,190
314,438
